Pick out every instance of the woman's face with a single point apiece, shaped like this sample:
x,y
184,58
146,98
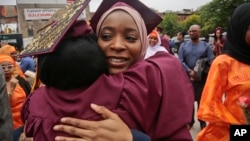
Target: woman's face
x,y
152,41
248,35
8,68
218,33
119,38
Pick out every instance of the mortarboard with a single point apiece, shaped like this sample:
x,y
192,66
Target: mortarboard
x,y
47,38
150,18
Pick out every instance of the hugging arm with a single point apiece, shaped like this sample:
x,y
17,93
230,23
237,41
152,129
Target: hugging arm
x,y
112,128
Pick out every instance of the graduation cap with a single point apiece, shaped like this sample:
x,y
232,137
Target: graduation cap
x,y
47,38
150,18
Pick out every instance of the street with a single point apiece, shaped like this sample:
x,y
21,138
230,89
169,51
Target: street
x,y
196,127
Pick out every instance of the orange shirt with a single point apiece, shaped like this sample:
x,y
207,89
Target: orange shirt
x,y
16,101
232,78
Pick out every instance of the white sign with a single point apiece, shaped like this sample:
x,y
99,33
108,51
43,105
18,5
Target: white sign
x,y
38,13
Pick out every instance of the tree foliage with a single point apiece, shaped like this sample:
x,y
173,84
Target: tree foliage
x,y
193,19
217,13
170,23
214,14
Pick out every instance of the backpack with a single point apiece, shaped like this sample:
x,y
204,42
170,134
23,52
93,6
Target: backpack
x,y
201,69
24,84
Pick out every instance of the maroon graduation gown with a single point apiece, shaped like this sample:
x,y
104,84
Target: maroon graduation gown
x,y
154,96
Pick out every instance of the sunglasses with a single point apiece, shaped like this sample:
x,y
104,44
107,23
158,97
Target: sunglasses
x,y
7,67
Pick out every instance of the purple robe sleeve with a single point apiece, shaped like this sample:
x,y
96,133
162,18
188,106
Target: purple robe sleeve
x,y
165,43
159,97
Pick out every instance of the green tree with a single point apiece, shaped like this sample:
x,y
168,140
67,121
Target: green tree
x,y
171,24
217,13
214,14
193,19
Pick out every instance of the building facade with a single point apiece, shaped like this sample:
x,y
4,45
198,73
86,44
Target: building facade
x,y
182,15
34,14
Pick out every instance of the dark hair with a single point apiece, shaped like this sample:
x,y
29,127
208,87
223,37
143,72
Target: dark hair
x,y
159,29
76,62
221,31
167,33
183,33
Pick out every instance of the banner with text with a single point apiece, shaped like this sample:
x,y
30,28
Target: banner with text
x,y
39,14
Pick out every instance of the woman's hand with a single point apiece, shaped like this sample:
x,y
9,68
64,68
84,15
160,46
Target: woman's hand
x,y
192,75
112,128
23,138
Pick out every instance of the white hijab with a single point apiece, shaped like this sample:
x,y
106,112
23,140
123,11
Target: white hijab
x,y
151,50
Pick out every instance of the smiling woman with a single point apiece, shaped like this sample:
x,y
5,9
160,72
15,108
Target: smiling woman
x,y
154,44
137,82
118,60
131,86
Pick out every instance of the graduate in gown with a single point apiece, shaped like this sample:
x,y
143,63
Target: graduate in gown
x,y
145,93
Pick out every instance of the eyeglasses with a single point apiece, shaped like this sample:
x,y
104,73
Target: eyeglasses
x,y
7,67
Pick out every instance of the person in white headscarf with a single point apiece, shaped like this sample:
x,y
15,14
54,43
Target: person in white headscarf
x,y
154,44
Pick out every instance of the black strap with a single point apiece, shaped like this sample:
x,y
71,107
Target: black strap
x,y
24,84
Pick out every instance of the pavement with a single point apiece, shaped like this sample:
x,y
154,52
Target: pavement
x,y
196,127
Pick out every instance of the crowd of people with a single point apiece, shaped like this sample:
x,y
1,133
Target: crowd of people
x,y
115,79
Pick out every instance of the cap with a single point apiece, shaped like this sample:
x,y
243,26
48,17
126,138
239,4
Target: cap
x,y
47,38
150,18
